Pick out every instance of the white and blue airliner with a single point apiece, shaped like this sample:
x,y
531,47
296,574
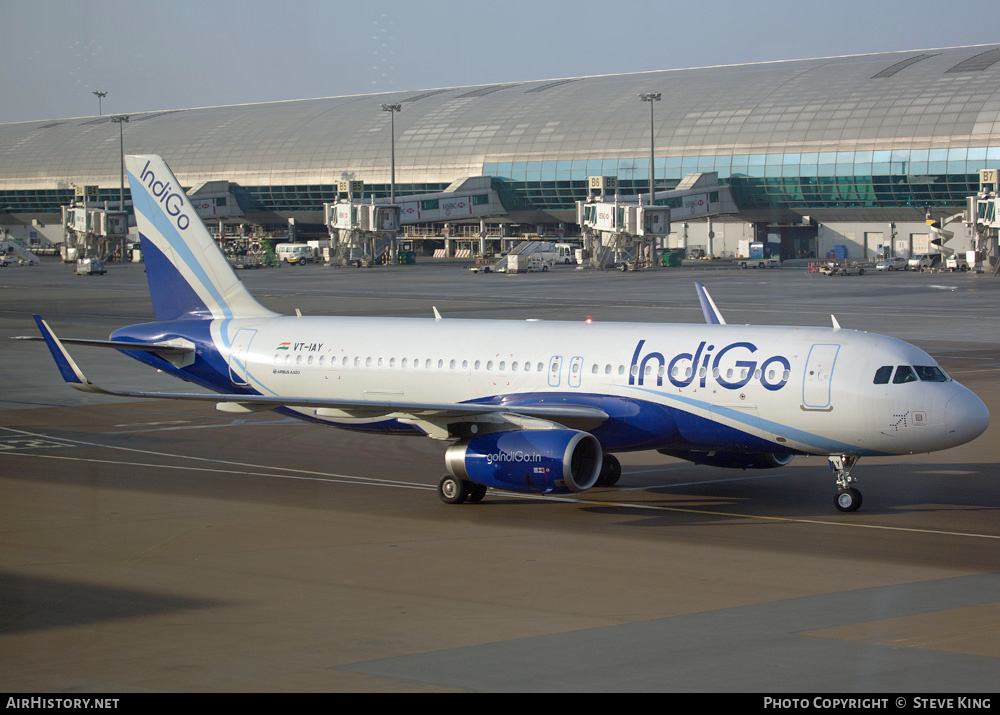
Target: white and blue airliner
x,y
529,406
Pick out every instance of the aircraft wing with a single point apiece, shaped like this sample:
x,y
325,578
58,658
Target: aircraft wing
x,y
433,418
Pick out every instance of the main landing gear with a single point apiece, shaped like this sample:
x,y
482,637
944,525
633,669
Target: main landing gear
x,y
848,498
453,490
611,471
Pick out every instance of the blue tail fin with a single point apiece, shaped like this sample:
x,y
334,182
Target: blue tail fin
x,y
187,273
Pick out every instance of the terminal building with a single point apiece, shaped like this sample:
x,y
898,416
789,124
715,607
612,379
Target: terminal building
x,y
853,152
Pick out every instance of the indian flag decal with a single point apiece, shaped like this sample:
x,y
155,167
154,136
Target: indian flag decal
x,y
283,346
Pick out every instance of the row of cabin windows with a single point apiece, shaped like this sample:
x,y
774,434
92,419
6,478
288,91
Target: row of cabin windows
x,y
515,366
906,373
416,363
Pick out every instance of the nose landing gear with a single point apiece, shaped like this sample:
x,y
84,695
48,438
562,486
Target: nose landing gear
x,y
847,498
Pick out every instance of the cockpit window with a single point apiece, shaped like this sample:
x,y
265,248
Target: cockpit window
x,y
904,373
931,373
882,375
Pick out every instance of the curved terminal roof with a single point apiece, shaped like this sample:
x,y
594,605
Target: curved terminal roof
x,y
877,131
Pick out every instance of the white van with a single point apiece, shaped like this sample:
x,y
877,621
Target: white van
x,y
567,252
961,261
295,253
923,260
557,252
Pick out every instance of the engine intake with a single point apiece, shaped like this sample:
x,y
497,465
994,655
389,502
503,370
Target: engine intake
x,y
529,460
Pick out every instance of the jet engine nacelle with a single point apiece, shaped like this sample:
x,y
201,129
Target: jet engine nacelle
x,y
731,460
529,460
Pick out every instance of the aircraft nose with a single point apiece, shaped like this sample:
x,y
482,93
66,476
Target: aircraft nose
x,y
966,416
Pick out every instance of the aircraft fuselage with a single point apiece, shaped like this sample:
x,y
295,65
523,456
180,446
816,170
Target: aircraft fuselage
x,y
707,387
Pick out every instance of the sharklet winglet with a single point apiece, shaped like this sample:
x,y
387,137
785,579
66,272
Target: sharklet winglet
x,y
708,307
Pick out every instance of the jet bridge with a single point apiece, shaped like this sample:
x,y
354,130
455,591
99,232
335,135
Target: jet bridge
x,y
364,228
623,232
360,232
982,216
91,229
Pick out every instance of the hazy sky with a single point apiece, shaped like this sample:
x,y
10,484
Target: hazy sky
x,y
179,53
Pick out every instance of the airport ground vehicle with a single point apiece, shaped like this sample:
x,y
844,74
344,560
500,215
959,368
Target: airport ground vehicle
x,y
842,268
90,267
891,264
564,253
760,254
957,262
295,253
923,260
526,263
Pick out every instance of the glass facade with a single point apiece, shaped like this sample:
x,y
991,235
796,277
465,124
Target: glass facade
x,y
811,180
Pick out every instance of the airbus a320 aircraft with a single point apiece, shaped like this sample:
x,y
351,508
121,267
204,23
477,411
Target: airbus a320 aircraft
x,y
530,406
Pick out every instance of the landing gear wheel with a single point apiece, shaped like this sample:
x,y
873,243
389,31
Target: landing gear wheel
x,y
848,499
611,471
476,493
453,490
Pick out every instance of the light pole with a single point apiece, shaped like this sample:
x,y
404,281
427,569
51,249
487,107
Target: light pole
x,y
100,94
650,97
392,109
120,120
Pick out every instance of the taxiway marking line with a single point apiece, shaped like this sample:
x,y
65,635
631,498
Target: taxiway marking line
x,y
308,475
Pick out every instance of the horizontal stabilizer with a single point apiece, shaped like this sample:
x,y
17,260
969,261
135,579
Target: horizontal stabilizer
x,y
158,348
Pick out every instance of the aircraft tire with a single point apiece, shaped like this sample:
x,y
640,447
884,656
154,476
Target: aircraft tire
x,y
476,493
453,490
611,471
848,499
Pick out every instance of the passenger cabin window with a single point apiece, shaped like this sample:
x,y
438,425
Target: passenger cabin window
x,y
904,373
